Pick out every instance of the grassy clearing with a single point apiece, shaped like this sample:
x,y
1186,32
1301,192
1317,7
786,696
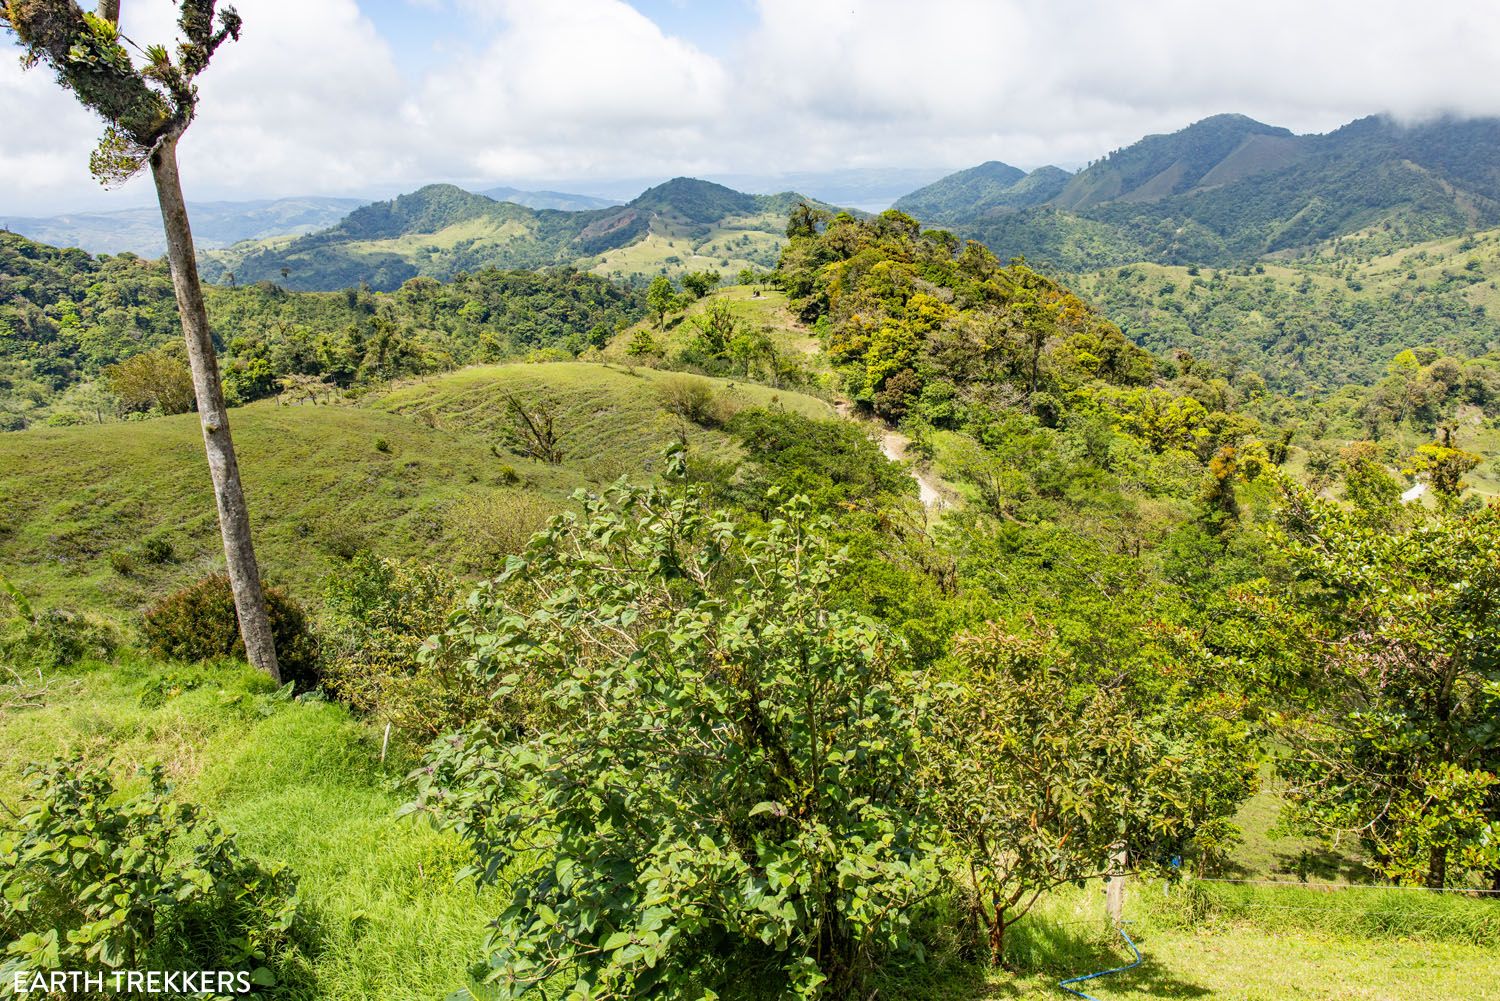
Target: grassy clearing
x,y
675,247
319,484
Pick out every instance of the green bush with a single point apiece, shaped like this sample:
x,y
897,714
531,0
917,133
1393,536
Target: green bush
x,y
122,562
380,615
54,638
198,622
157,550
93,882
721,765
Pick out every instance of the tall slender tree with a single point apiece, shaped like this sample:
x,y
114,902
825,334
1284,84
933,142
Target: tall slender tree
x,y
146,109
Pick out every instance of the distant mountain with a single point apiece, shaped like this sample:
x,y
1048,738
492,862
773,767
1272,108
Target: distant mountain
x,y
559,200
215,224
984,190
441,230
868,188
1230,189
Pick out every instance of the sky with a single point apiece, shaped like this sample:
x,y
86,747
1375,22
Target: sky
x,y
373,97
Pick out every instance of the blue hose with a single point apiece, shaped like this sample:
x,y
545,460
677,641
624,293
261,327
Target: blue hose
x,y
1103,973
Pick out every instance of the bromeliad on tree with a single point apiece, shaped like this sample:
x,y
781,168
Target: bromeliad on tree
x,y
146,108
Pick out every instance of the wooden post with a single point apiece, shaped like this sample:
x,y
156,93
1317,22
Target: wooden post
x,y
1114,885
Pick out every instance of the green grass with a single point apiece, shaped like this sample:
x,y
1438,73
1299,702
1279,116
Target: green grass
x,y
300,783
674,248
316,482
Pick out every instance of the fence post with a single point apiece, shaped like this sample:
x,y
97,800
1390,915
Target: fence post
x,y
1114,886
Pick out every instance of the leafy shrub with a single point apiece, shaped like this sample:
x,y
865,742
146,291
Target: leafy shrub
x,y
198,622
123,562
1038,771
158,550
92,882
673,668
488,527
382,445
54,638
691,398
380,615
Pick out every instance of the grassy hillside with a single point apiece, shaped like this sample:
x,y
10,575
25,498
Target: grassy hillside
x,y
755,307
413,473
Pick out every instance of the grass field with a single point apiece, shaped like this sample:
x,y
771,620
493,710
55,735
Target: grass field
x,y
395,473
674,248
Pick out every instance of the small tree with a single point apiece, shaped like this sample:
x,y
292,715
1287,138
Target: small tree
x,y
719,780
533,430
152,380
660,298
699,283
1396,636
146,110
1040,773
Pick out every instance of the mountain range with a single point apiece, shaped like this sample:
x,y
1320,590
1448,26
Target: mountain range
x,y
441,230
1230,189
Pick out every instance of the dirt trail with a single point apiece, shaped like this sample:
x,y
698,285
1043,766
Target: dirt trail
x,y
893,444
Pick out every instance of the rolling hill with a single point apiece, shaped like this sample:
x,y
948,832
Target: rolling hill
x,y
988,188
421,471
441,230
1229,190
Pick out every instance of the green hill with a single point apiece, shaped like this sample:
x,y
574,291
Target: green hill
x,y
440,231
422,471
984,190
1229,189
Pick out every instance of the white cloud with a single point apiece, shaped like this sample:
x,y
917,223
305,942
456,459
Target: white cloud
x,y
314,98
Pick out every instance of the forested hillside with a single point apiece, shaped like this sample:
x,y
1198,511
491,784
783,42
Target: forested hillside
x,y
1314,324
68,320
1228,190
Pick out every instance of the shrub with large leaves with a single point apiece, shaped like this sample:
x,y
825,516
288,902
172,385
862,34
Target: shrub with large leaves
x,y
719,777
92,881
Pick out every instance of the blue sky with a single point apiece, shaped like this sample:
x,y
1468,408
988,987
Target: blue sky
x,y
422,32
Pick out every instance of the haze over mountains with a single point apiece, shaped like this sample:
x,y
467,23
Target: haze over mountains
x,y
1224,190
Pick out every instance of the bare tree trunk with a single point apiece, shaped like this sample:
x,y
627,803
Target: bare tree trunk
x,y
234,516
